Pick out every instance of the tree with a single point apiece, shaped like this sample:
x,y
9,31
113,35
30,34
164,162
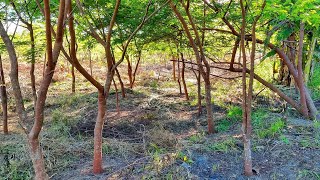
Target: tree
x,y
200,57
26,15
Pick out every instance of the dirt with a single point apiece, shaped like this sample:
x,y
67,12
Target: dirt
x,y
272,159
155,126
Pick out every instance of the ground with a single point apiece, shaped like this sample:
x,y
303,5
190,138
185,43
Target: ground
x,y
158,134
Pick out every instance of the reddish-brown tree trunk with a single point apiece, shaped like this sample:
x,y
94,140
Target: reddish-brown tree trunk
x,y
129,70
183,78
3,96
52,55
97,153
37,159
300,83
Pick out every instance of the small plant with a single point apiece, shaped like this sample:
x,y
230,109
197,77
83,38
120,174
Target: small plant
x,y
258,118
196,138
182,156
154,84
234,113
273,130
223,125
223,146
284,139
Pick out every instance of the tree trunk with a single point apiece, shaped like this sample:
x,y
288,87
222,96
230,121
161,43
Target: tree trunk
x,y
246,99
129,70
174,69
97,153
3,96
179,78
123,91
183,78
136,69
200,57
209,106
117,96
52,56
37,159
14,74
300,83
199,93
73,88
33,60
90,62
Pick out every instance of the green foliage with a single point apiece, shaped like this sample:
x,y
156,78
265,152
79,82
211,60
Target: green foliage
x,y
314,84
308,174
223,125
15,162
224,146
258,117
284,139
273,130
234,113
60,124
196,138
182,156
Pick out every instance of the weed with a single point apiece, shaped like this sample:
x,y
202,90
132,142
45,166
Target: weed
x,y
284,139
274,129
234,113
154,84
182,156
196,138
223,125
223,146
258,118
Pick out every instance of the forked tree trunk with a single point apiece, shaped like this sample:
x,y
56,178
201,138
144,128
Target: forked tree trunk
x,y
199,53
3,96
98,129
52,55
